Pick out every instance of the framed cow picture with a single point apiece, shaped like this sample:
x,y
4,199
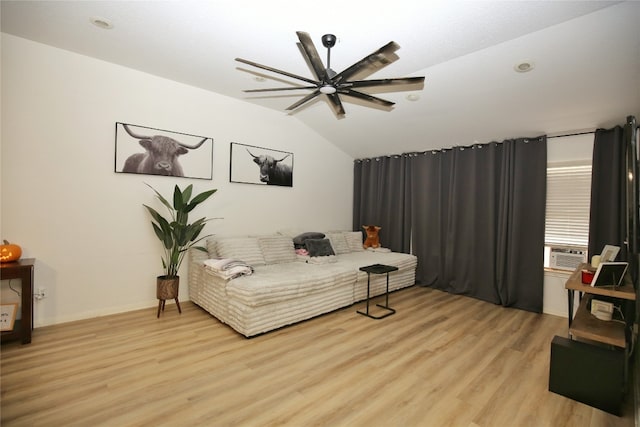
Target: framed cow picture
x,y
263,166
150,151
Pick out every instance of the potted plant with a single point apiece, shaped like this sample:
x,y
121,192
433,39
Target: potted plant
x,y
177,236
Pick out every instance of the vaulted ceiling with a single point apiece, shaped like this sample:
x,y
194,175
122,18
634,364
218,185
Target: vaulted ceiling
x,y
586,57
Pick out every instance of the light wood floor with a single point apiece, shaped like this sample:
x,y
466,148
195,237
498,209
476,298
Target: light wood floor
x,y
442,360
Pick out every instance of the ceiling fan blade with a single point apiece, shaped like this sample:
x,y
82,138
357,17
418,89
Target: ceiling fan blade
x,y
334,99
383,82
367,97
304,100
275,70
280,88
311,52
377,59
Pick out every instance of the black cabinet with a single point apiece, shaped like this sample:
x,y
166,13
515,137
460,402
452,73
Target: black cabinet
x,y
588,373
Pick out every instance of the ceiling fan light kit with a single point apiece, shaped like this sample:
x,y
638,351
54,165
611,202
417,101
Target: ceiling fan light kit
x,y
328,89
333,84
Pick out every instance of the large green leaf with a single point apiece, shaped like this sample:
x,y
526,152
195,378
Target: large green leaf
x,y
186,194
178,202
154,214
162,236
200,239
162,199
180,233
192,233
182,218
200,198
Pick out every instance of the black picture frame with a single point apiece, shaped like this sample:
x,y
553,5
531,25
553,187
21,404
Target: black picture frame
x,y
610,274
136,146
249,164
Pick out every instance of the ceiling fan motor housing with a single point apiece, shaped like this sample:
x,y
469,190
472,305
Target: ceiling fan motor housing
x,y
328,41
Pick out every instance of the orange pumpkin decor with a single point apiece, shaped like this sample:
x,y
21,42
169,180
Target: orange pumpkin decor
x,y
10,252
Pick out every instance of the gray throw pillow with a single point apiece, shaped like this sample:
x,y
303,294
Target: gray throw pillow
x,y
319,247
301,238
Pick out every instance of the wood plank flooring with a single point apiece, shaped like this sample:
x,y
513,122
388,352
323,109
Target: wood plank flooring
x,y
442,360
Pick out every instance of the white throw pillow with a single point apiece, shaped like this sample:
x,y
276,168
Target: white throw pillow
x,y
277,249
339,243
354,240
244,249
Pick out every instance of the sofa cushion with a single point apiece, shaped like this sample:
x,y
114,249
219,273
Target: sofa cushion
x,y
244,249
277,249
292,281
354,240
319,247
338,243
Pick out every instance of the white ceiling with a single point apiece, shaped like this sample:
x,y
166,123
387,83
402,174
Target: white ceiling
x,y
586,55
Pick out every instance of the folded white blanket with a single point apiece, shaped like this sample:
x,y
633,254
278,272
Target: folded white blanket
x,y
383,250
329,259
228,268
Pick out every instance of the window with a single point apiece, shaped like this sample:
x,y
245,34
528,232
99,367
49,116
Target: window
x,y
567,213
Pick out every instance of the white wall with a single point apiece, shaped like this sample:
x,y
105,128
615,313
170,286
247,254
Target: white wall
x,y
62,202
563,150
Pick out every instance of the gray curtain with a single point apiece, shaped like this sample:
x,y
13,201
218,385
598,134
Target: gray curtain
x,y
380,198
607,221
473,216
478,221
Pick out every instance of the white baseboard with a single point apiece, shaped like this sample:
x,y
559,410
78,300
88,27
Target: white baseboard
x,y
555,312
40,322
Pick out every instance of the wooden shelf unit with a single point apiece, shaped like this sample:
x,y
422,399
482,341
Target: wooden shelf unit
x,y
584,324
587,326
574,282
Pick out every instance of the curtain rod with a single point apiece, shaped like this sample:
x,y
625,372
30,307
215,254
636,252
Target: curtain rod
x,y
469,146
571,134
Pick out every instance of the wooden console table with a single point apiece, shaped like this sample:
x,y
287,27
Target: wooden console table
x,y
23,270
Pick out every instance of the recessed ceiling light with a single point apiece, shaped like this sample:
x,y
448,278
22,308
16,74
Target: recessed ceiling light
x,y
413,97
105,24
524,66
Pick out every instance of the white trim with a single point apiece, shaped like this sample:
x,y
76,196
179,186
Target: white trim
x,y
97,313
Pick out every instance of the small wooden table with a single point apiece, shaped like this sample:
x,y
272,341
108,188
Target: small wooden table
x,y
378,269
23,270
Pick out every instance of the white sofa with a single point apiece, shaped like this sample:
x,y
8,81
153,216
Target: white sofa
x,y
285,287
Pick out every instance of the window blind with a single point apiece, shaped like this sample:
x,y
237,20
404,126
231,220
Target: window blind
x,y
568,200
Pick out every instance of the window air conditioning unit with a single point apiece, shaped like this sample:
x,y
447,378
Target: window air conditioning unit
x,y
567,259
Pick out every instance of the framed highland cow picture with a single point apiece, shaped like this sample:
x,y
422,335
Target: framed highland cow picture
x,y
150,151
263,166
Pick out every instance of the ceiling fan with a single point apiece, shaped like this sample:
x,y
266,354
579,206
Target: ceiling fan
x,y
333,84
